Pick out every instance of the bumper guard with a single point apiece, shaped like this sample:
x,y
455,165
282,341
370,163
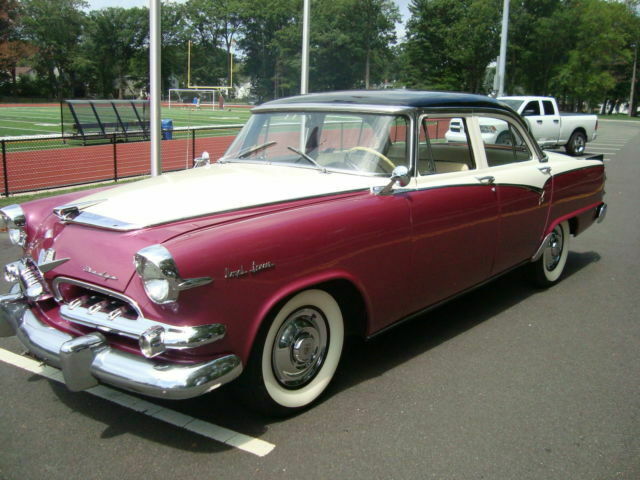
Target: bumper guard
x,y
87,359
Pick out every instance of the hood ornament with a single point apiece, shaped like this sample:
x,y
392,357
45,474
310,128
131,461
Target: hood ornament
x,y
104,275
70,211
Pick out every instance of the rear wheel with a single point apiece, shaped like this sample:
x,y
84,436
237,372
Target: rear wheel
x,y
576,144
547,270
295,356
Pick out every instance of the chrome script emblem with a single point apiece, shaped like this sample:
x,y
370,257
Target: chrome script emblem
x,y
104,275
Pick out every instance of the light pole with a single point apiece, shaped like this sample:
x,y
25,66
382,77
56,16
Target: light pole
x,y
304,74
502,60
632,94
154,84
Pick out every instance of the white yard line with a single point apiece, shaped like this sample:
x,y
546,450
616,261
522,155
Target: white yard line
x,y
209,430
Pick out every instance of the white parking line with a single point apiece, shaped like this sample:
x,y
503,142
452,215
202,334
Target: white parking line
x,y
214,432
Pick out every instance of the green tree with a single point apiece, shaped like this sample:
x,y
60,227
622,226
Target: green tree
x,y
601,43
114,37
55,28
450,44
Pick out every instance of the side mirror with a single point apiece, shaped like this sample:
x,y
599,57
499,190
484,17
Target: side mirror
x,y
400,175
202,160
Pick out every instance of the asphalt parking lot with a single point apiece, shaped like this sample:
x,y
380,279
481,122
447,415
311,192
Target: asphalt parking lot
x,y
506,382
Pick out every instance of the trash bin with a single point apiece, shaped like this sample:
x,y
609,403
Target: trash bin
x,y
167,129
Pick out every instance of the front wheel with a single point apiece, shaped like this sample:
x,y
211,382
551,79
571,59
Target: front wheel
x,y
295,355
547,270
576,144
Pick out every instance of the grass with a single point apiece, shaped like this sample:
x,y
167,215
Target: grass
x,y
21,198
45,120
618,117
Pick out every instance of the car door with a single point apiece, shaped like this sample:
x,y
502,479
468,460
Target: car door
x,y
454,215
541,125
523,185
550,128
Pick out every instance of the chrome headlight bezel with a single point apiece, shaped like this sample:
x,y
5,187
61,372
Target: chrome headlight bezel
x,y
15,222
160,277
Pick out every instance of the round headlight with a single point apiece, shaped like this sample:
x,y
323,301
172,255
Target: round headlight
x,y
157,289
15,223
158,273
157,270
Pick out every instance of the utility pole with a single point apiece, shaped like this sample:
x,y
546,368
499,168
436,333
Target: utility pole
x,y
304,75
154,90
502,60
632,94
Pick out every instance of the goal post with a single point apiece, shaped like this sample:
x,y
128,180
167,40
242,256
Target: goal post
x,y
192,98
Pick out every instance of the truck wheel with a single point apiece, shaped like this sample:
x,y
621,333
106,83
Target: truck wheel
x,y
576,144
504,139
546,271
295,355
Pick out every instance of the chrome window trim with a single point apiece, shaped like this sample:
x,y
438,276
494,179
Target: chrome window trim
x,y
328,107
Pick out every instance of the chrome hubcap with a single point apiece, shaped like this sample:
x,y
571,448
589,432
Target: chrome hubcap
x,y
553,252
300,347
578,144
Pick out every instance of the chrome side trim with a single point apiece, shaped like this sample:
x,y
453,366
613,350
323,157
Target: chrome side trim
x,y
601,212
83,359
541,248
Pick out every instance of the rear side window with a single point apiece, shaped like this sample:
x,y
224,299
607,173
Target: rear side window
x,y
548,107
503,144
444,146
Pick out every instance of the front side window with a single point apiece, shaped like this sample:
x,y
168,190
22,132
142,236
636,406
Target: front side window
x,y
532,108
363,143
503,143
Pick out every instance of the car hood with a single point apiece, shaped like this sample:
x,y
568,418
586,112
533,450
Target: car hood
x,y
216,188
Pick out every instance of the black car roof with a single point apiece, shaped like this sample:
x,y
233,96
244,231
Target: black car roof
x,y
400,98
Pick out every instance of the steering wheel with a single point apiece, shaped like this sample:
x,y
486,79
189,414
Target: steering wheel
x,y
374,152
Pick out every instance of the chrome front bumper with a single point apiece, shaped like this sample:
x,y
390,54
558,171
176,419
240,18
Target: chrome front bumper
x,y
88,359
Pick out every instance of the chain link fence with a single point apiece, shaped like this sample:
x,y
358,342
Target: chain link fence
x,y
31,163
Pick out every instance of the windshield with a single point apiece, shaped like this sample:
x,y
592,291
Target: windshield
x,y
362,143
514,104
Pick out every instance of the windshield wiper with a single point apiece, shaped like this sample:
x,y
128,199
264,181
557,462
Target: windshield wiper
x,y
308,158
248,151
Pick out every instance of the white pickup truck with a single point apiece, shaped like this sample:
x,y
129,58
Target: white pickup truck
x,y
548,126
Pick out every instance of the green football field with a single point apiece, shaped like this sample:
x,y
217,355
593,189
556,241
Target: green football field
x,y
43,120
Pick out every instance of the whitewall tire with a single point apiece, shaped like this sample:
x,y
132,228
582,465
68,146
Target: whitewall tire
x,y
548,269
296,355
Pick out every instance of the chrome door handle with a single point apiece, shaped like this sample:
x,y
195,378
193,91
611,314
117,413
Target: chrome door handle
x,y
539,122
487,180
545,170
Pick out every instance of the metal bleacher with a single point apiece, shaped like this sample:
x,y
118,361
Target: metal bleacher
x,y
100,120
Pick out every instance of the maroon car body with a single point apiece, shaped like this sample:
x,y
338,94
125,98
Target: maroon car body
x,y
331,214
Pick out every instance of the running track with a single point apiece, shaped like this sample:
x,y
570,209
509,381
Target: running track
x,y
36,170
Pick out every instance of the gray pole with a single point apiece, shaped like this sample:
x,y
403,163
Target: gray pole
x,y
304,78
503,47
154,82
632,94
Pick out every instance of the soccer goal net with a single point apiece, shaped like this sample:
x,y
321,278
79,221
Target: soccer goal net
x,y
192,98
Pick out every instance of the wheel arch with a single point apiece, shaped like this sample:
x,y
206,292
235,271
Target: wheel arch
x,y
345,289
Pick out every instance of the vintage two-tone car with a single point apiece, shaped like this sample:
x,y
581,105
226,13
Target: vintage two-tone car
x,y
330,214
